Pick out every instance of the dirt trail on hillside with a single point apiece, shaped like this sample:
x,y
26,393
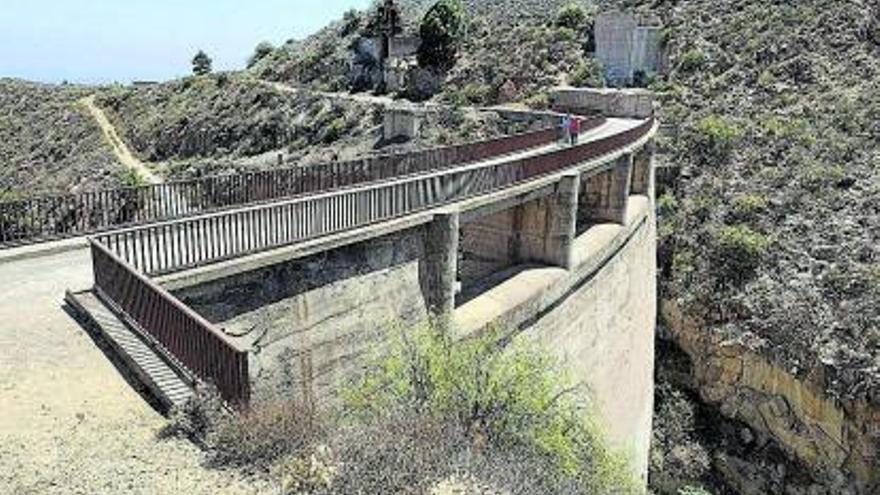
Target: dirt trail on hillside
x,y
358,97
120,149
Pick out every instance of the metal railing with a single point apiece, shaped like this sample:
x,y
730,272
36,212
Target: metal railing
x,y
184,335
175,246
52,217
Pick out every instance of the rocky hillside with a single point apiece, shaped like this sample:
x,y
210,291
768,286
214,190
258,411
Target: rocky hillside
x,y
232,121
49,143
770,221
514,50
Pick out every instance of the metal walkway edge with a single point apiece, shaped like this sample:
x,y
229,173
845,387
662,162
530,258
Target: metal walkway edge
x,y
162,379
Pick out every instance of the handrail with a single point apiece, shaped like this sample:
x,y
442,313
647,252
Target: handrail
x,y
189,243
52,217
123,261
183,334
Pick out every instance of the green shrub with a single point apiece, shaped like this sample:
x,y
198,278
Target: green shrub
x,y
817,176
572,16
740,248
748,206
784,128
334,130
692,60
499,395
262,51
476,93
667,204
588,74
132,178
8,195
766,79
716,136
442,32
540,101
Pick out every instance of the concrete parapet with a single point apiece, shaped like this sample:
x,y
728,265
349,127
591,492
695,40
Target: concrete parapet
x,y
624,103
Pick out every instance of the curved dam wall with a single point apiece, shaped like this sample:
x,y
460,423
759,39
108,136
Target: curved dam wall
x,y
573,268
598,318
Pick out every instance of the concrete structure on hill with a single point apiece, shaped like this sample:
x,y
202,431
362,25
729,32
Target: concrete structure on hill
x,y
386,58
628,47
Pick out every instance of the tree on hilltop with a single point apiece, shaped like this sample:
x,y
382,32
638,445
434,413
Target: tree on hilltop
x,y
201,64
442,32
262,51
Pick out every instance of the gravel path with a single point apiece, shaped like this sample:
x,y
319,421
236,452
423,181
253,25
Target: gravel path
x,y
69,421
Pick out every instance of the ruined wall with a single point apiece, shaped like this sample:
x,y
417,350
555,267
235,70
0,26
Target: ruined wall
x,y
603,330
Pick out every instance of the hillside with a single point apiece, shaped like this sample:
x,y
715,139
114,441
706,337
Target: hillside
x,y
232,121
514,51
49,143
770,220
771,226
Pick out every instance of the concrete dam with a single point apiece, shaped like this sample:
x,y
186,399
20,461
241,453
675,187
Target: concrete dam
x,y
289,278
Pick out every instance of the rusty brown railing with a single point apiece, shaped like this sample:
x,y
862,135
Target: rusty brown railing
x,y
185,336
121,259
52,217
188,243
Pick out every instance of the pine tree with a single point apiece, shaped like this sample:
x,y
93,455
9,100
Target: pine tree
x,y
201,64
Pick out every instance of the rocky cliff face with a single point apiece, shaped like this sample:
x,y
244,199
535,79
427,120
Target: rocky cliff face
x,y
839,441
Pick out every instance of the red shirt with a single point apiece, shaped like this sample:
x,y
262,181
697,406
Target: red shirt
x,y
575,126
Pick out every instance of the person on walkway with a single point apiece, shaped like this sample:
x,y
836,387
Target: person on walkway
x,y
575,130
566,128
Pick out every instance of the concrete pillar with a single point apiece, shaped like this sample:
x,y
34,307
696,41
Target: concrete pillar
x,y
643,173
547,227
439,276
651,157
606,195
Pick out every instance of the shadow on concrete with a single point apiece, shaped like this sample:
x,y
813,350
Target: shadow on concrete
x,y
472,291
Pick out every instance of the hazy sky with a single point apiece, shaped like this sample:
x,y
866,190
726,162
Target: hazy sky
x,y
94,41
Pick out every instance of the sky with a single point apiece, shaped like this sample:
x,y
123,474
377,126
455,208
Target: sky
x,y
105,41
